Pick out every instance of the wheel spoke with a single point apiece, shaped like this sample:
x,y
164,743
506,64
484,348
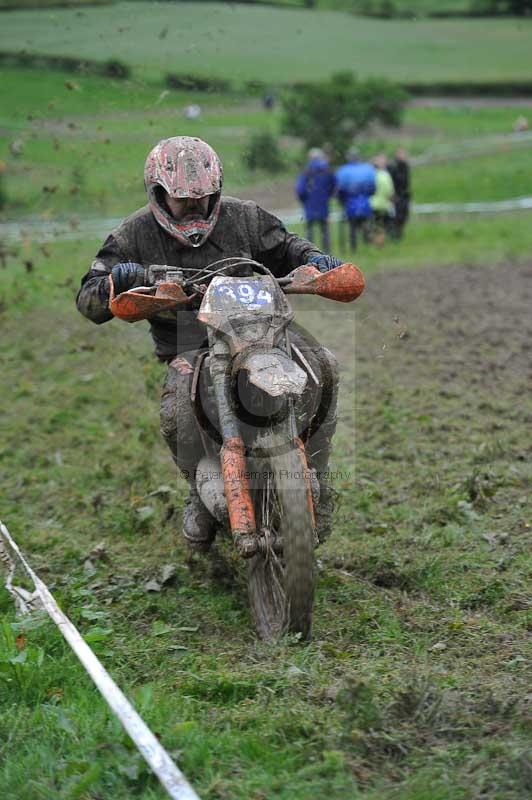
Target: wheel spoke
x,y
281,587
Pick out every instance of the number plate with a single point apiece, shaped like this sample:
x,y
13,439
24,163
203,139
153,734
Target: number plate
x,y
248,293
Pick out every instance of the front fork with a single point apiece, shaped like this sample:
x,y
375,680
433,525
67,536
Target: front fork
x,y
232,453
235,470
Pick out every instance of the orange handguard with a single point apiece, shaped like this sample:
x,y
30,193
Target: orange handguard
x,y
134,305
344,283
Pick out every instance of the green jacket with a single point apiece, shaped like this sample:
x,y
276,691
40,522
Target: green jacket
x,y
382,200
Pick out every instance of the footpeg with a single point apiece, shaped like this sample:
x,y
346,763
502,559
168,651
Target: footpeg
x,y
246,544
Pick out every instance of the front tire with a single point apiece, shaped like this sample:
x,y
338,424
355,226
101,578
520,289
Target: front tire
x,y
281,584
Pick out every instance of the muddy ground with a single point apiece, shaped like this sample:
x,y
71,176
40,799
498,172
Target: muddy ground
x,y
418,673
443,390
464,328
465,332
436,414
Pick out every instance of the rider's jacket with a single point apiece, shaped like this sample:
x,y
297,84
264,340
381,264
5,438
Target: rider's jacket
x,y
243,229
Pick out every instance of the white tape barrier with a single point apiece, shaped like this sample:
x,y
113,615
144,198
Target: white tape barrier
x,y
34,229
489,207
77,228
485,145
155,755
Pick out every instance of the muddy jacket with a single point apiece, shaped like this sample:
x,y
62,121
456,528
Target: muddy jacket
x,y
243,229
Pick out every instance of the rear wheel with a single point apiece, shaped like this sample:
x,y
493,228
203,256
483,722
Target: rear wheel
x,y
281,575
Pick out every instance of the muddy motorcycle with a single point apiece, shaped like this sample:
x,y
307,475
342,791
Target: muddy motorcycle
x,y
253,477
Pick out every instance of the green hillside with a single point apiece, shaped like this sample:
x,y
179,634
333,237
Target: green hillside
x,y
243,43
369,7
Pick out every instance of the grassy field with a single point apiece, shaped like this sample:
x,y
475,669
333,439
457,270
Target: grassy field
x,y
504,174
411,8
471,239
47,4
245,42
84,148
417,683
415,686
82,142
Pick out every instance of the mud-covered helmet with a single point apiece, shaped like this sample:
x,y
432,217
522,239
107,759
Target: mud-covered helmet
x,y
184,166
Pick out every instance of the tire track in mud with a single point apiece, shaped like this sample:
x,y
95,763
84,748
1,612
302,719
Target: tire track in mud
x,y
466,323
436,364
443,387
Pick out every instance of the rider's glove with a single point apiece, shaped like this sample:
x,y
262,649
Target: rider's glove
x,y
325,263
127,275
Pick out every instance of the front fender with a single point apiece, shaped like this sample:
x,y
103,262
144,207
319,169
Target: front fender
x,y
274,372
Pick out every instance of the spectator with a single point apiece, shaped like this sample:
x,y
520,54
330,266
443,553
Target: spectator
x,y
520,125
192,111
400,171
314,188
355,183
381,201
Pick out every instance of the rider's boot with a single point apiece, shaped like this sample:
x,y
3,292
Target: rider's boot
x,y
319,462
199,526
324,510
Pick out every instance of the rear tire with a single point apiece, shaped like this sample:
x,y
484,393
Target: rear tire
x,y
281,585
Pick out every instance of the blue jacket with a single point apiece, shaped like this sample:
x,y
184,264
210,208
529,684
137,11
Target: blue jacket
x,y
355,183
314,187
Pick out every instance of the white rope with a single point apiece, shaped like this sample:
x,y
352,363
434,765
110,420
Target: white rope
x,y
97,228
422,209
155,755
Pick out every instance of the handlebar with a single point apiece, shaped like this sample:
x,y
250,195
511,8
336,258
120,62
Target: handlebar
x,y
169,286
160,273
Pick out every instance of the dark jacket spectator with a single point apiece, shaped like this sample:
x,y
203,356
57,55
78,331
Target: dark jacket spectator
x,y
399,169
314,188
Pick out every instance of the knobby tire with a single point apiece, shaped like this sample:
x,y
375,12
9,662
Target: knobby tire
x,y
281,586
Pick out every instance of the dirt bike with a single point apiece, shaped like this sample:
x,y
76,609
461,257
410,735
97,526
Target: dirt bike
x,y
253,477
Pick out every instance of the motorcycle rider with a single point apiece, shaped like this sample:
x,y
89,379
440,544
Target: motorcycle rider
x,y
187,223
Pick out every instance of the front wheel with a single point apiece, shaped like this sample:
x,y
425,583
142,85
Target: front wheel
x,y
281,575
